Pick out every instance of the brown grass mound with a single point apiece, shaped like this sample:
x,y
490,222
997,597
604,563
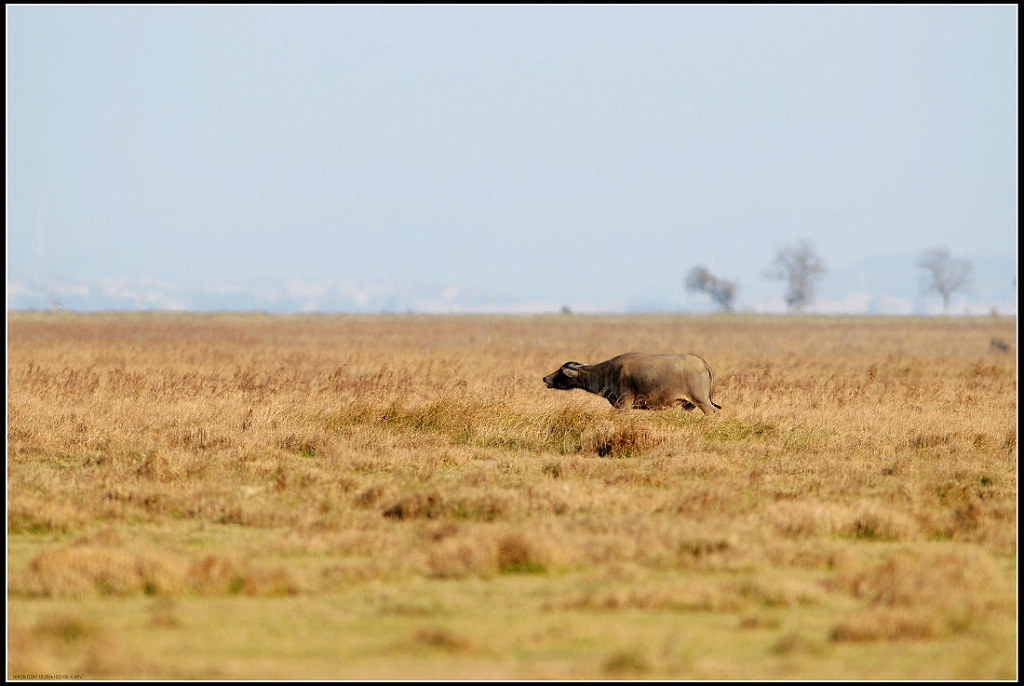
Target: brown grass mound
x,y
912,596
79,570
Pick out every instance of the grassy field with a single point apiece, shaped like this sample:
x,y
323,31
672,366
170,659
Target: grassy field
x,y
251,496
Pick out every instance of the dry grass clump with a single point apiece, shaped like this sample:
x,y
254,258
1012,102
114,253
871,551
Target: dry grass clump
x,y
441,638
36,515
692,598
475,505
281,462
608,440
78,570
627,662
922,596
486,552
88,568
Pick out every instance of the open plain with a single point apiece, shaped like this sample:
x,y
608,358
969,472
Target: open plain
x,y
248,496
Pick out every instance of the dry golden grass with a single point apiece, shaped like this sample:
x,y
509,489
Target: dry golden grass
x,y
393,497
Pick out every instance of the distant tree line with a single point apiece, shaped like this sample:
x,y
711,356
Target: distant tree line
x,y
800,267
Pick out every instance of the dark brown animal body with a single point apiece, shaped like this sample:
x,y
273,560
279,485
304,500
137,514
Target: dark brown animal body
x,y
642,381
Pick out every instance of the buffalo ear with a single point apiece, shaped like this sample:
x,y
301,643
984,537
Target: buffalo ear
x,y
570,372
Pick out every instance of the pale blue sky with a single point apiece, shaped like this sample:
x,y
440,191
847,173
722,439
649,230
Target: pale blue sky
x,y
560,152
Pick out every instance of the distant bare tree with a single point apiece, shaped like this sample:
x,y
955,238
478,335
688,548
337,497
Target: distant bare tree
x,y
944,275
799,266
722,292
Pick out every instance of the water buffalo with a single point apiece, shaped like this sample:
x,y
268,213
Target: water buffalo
x,y
642,381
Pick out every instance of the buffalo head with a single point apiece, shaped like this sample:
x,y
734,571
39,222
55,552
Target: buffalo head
x,y
565,377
